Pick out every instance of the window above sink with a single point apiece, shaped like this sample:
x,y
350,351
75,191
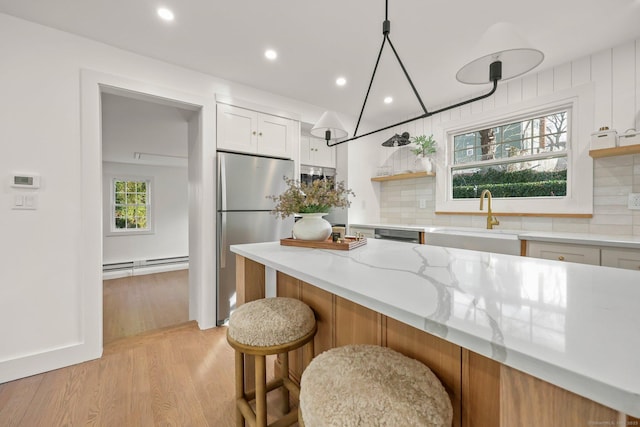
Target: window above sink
x,y
533,157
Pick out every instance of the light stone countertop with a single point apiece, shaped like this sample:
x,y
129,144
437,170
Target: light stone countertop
x,y
617,241
572,325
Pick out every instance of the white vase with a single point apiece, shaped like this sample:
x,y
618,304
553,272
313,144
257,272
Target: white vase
x,y
312,227
423,164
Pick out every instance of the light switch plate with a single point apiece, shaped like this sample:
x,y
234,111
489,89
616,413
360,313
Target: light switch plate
x,y
25,201
634,201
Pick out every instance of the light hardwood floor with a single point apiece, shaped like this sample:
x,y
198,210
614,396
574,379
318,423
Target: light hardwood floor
x,y
175,376
138,304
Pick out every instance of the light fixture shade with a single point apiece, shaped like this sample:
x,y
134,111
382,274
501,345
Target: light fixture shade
x,y
501,42
329,121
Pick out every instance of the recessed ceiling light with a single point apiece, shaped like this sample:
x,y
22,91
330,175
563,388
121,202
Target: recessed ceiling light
x,y
388,100
165,14
271,54
341,81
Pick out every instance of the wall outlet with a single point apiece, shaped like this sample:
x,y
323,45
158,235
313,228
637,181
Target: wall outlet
x,y
422,203
634,201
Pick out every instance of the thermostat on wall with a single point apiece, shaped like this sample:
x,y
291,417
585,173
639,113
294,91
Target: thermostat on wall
x,y
25,181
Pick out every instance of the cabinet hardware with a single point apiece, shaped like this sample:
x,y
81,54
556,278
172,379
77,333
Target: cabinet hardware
x,y
254,132
560,258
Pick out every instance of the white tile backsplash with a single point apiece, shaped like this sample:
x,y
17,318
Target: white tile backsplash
x,y
400,204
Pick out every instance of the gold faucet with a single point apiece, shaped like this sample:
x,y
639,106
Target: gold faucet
x,y
491,220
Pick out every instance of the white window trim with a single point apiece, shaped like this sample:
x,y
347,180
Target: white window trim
x,y
111,230
579,199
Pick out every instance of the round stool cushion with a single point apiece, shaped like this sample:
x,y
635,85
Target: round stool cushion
x,y
270,322
367,385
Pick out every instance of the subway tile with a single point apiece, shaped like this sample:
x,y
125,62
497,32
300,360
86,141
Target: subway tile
x,y
610,209
537,224
618,230
612,172
611,220
571,225
612,181
510,223
610,200
615,161
621,190
461,220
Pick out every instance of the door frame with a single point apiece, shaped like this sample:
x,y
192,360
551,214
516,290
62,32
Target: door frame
x,y
202,227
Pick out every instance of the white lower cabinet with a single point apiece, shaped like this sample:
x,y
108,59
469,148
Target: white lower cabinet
x,y
366,232
586,254
621,258
564,252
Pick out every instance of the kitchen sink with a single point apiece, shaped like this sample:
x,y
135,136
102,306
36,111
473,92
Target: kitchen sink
x,y
496,240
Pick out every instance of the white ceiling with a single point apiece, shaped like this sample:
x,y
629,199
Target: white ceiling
x,y
319,40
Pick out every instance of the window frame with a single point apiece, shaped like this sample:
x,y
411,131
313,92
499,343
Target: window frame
x,y
111,229
579,198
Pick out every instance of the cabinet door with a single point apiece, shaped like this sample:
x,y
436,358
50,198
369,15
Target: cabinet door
x,y
366,232
621,258
563,252
305,151
275,136
321,154
236,129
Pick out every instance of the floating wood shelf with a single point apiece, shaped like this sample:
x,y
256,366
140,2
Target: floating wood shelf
x,y
402,176
615,151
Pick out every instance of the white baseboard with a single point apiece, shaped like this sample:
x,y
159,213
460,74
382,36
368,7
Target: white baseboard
x,y
140,271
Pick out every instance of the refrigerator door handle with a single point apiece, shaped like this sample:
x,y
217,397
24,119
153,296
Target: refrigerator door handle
x,y
223,183
222,250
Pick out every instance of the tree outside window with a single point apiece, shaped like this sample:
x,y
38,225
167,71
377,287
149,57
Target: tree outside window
x,y
527,158
131,205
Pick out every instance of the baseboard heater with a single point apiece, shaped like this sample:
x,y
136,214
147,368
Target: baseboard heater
x,y
145,266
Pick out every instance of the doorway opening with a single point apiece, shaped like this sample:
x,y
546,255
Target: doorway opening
x,y
145,183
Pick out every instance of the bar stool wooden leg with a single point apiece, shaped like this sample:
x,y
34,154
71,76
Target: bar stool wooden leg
x,y
307,355
239,387
284,361
261,391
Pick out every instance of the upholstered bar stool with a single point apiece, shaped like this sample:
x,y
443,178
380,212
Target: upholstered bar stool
x,y
264,327
368,385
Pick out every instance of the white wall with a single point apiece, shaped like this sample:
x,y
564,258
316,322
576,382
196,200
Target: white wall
x,y
615,74
170,215
50,303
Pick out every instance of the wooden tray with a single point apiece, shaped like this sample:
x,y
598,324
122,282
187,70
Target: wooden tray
x,y
346,245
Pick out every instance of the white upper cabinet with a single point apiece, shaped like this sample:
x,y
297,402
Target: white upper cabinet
x,y
314,152
275,136
247,131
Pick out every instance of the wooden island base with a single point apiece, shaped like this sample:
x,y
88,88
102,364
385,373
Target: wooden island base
x,y
484,393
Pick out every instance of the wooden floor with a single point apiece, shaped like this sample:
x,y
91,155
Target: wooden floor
x,y
176,376
138,304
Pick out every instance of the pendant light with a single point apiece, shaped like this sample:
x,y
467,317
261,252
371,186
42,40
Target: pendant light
x,y
502,54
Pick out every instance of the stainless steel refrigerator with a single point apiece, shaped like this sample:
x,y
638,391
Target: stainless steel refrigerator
x,y
244,182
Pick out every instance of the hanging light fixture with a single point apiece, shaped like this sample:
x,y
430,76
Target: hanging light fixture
x,y
503,55
397,140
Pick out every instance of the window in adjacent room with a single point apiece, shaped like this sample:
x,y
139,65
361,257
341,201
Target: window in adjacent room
x,y
523,158
131,205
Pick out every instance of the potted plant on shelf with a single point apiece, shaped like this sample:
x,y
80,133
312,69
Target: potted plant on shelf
x,y
424,149
311,202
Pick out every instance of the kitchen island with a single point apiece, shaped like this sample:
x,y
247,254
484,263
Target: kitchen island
x,y
516,341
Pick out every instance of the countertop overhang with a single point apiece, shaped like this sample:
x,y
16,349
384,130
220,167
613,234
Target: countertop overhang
x,y
572,325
